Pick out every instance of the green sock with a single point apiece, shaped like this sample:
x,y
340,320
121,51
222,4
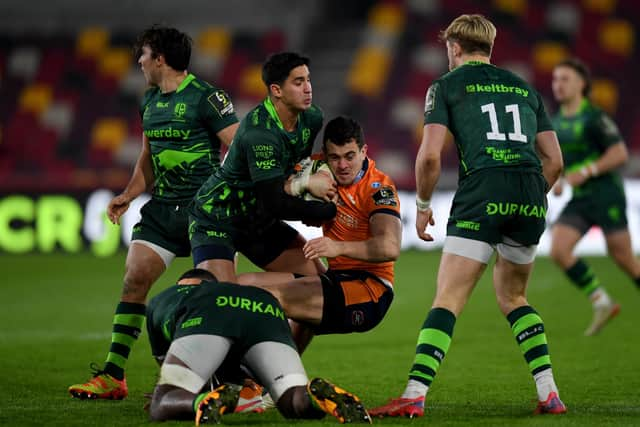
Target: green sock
x,y
528,329
433,344
583,277
127,324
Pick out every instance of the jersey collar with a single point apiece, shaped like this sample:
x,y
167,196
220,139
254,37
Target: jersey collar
x,y
361,172
271,109
190,77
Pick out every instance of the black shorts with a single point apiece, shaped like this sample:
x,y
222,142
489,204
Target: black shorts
x,y
166,225
354,301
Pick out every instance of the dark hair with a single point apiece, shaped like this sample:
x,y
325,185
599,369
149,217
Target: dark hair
x,y
583,71
198,273
277,67
174,45
341,130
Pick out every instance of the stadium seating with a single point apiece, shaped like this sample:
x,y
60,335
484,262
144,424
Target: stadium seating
x,y
69,114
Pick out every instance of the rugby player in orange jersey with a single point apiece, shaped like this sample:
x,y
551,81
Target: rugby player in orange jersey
x,y
361,244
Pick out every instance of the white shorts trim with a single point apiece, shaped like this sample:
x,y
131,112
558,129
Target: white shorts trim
x,y
468,248
513,251
166,255
181,377
481,251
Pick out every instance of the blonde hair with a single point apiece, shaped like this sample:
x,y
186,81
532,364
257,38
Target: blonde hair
x,y
474,34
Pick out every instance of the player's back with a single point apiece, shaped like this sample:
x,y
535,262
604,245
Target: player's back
x,y
493,115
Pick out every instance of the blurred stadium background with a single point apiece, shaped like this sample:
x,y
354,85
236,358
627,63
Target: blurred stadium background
x,y
70,85
70,133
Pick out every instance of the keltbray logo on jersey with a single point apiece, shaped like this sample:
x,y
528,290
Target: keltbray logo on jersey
x,y
468,225
168,133
180,109
519,209
249,305
191,322
504,155
496,88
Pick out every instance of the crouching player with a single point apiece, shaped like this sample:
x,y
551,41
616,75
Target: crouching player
x,y
200,323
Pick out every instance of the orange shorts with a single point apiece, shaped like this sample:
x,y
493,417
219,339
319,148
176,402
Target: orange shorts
x,y
354,301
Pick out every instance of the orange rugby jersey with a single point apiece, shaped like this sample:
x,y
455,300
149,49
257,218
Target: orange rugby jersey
x,y
374,193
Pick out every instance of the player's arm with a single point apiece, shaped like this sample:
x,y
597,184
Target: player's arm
x,y
614,157
141,180
548,149
273,200
428,165
382,246
226,135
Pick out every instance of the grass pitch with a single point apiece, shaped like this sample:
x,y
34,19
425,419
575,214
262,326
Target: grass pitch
x,y
56,318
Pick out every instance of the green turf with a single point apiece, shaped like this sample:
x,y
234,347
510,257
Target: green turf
x,y
56,318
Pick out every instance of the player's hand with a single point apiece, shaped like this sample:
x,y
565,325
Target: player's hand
x,y
323,186
117,207
424,219
576,179
557,188
321,247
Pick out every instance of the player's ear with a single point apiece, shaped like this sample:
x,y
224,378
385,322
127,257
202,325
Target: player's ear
x,y
364,149
275,90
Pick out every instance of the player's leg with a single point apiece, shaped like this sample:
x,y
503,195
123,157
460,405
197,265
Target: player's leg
x,y
190,362
620,249
565,235
292,259
510,277
280,369
463,262
145,263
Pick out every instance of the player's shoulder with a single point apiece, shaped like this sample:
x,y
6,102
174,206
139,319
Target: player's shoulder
x,y
314,116
378,187
149,95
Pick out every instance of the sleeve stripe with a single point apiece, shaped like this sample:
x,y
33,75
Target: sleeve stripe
x,y
385,211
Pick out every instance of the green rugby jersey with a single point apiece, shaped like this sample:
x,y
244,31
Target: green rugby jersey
x,y
161,316
181,127
262,149
493,115
583,138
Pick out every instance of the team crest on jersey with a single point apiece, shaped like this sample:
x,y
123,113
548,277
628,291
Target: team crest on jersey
x,y
357,317
306,133
385,196
180,109
375,185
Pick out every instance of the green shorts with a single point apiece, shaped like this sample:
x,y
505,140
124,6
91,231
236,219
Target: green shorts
x,y
165,225
218,236
245,314
608,211
495,203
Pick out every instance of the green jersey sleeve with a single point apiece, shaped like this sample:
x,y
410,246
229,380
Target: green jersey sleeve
x,y
265,155
435,107
542,118
217,111
604,131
